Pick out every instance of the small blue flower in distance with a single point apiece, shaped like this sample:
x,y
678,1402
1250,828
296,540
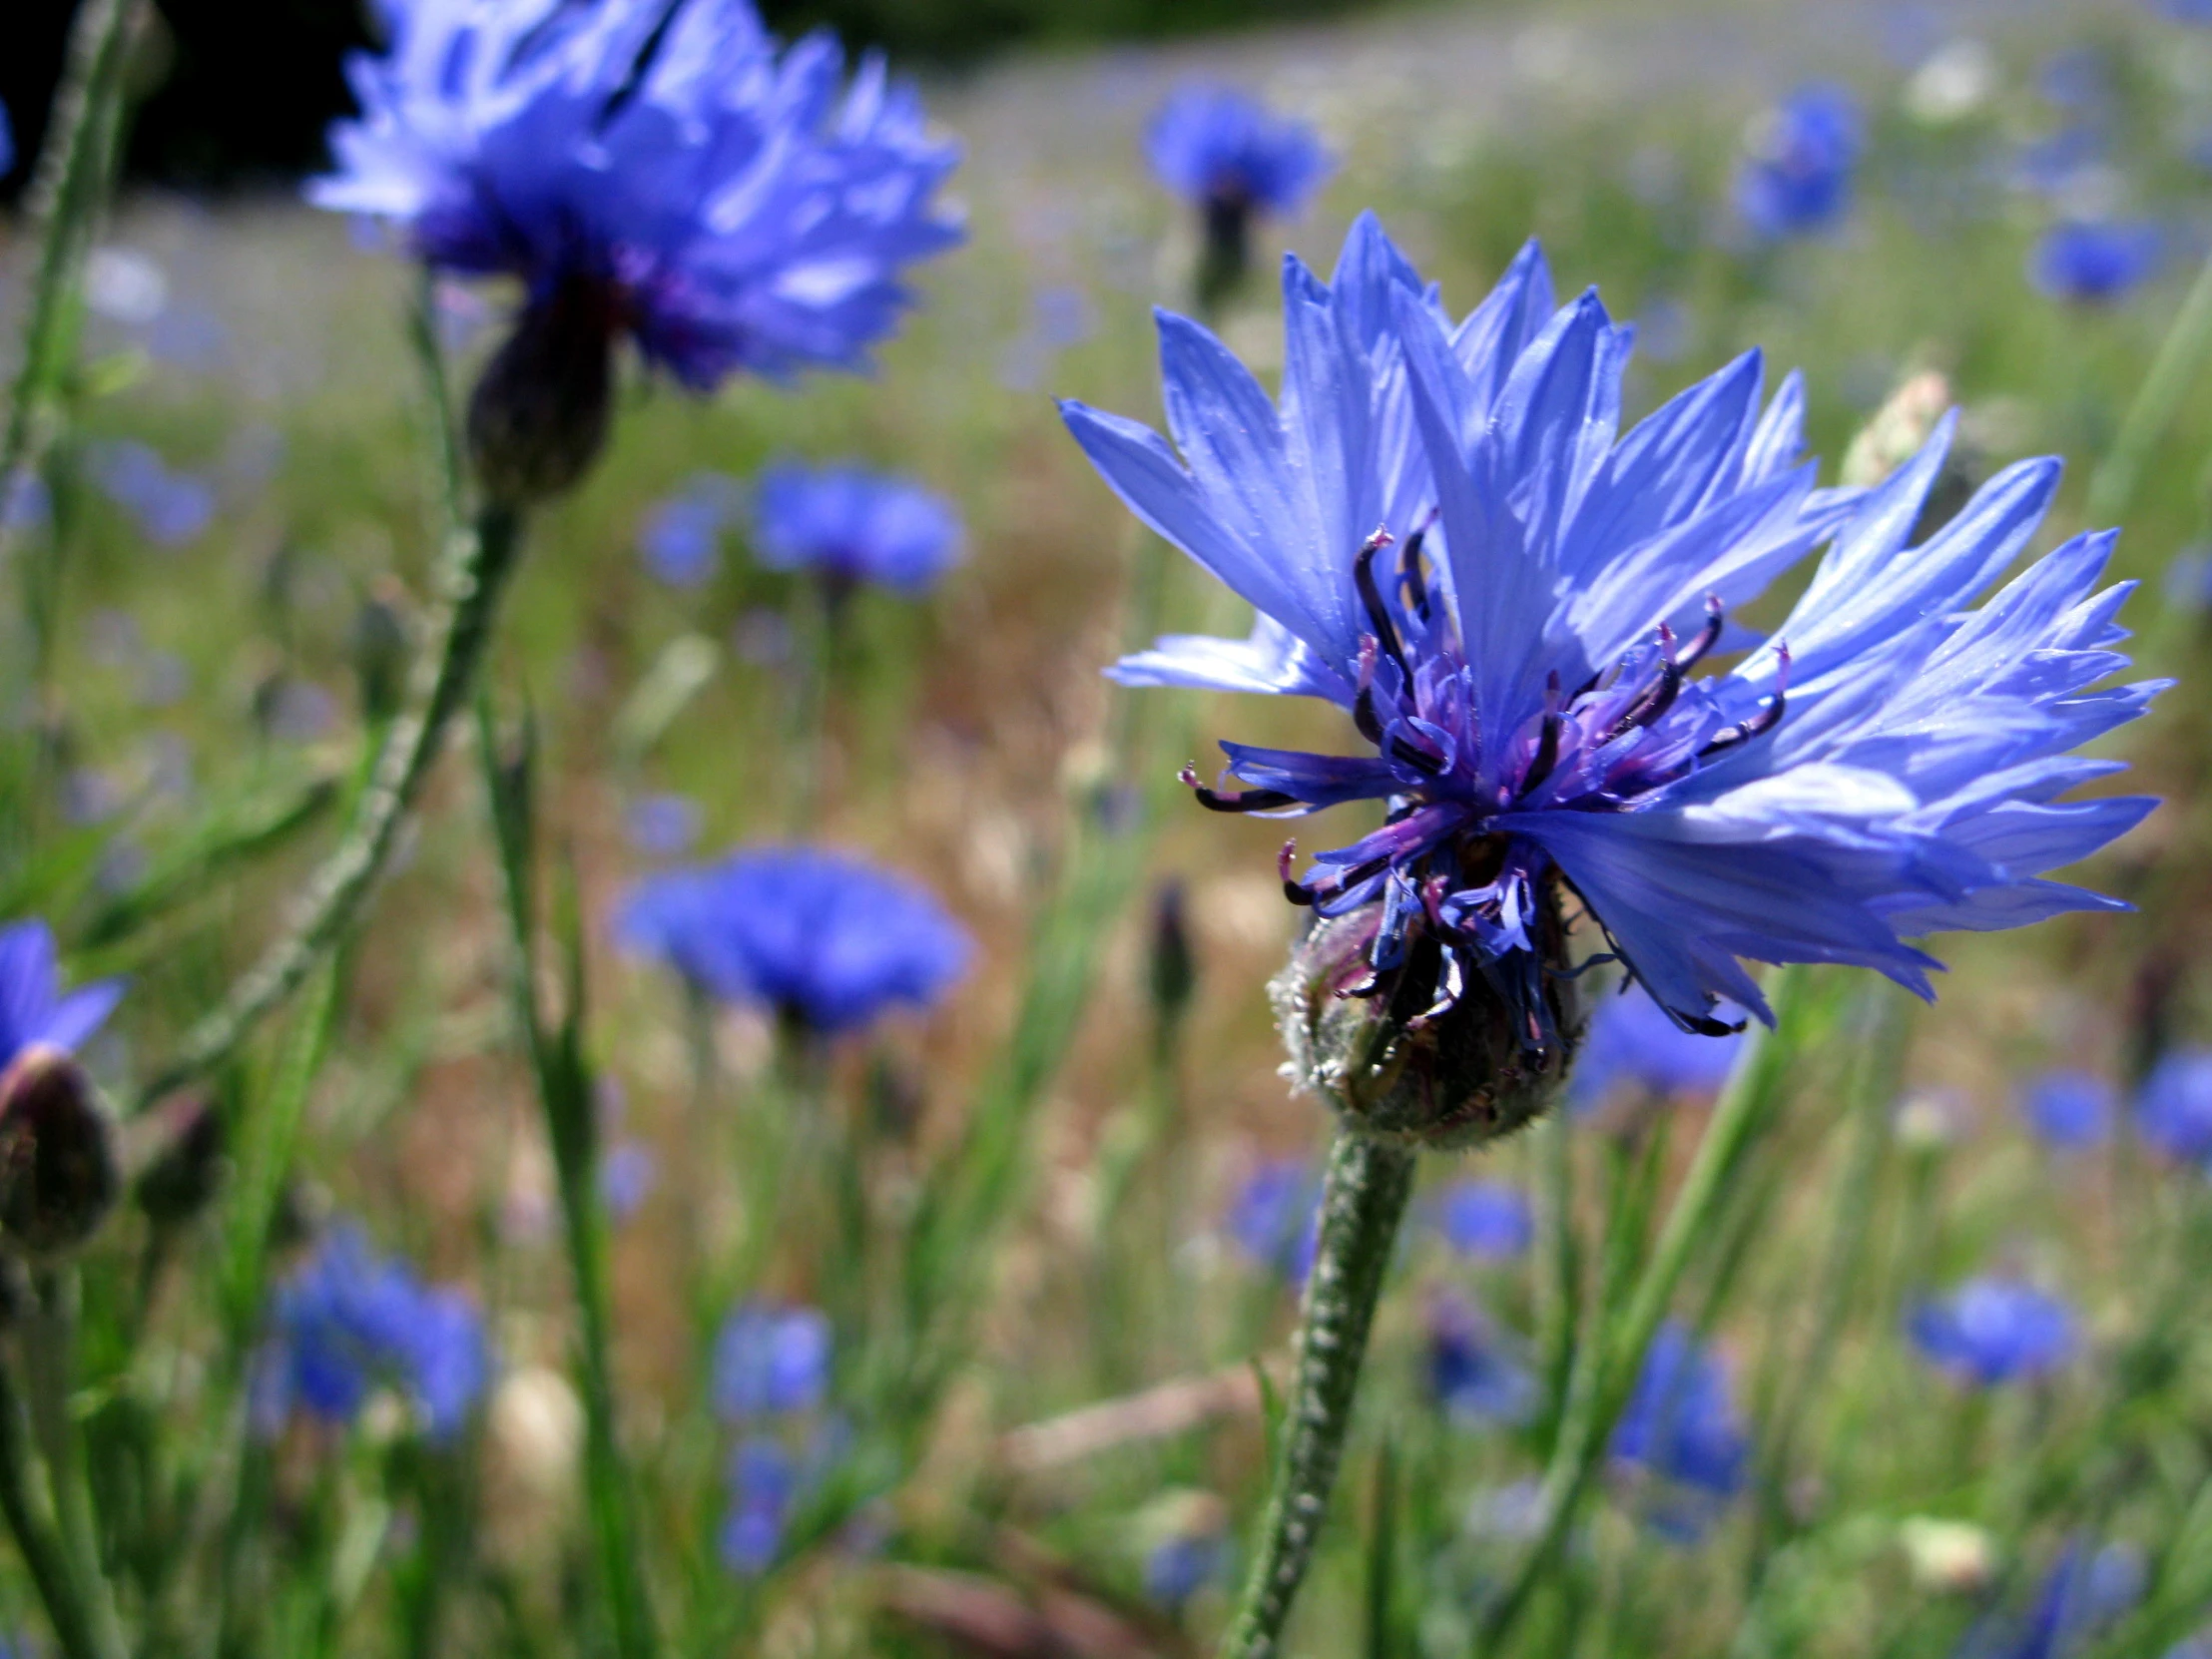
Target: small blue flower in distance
x,y
1633,1044
169,506
822,938
763,1482
2173,1109
770,1360
1274,1220
1489,1219
1680,1423
1519,663
1179,1565
1795,177
662,826
348,1320
850,525
681,538
1216,146
1475,1374
727,202
1990,1331
2094,261
33,1007
2083,1594
2068,1110
626,1178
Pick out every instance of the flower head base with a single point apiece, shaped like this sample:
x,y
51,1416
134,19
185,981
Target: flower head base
x,y
662,171
61,1168
1796,177
1526,653
849,526
829,942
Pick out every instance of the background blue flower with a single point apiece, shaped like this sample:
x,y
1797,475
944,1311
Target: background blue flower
x,y
170,507
1215,144
1681,1422
763,1482
1489,1219
851,525
1796,177
1632,1046
823,938
681,538
1474,1373
2068,1110
728,202
2093,262
770,1360
2173,1109
33,1008
1991,1329
1275,1217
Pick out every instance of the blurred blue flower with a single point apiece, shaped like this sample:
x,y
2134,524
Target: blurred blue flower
x,y
681,538
26,504
2075,78
2052,164
662,826
7,142
1632,1044
770,1360
33,1008
170,507
1990,1331
2173,1109
1680,1423
2084,1592
348,1320
824,939
721,199
851,526
1519,664
1489,1219
2068,1110
2183,11
1213,145
763,1482
1475,1374
1795,177
1179,1565
1274,1218
626,1178
2093,261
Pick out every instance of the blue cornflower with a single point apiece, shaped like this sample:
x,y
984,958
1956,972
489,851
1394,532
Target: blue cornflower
x,y
770,1360
2082,1595
626,1178
2068,1110
1489,1219
662,826
1633,1043
848,526
681,538
33,1008
1274,1218
1795,177
1522,661
1680,1423
1179,1565
824,939
2092,262
665,170
1992,1330
762,1483
2173,1110
1213,145
1473,1373
170,507
348,1320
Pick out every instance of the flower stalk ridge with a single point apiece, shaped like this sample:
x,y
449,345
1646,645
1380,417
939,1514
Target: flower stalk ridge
x,y
1444,533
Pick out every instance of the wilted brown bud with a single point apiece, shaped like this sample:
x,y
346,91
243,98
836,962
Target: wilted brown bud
x,y
538,417
60,1168
1393,1066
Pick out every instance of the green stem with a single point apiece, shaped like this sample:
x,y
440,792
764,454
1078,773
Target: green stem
x,y
2178,367
474,573
1745,1107
49,1347
1361,1204
31,1527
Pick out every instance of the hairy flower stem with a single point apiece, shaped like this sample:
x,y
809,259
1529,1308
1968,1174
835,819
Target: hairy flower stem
x,y
472,576
1363,1201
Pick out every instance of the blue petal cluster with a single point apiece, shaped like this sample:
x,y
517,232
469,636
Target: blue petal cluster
x,y
2095,263
1475,1374
1179,1565
2080,1598
347,1321
33,1008
850,525
770,1360
1488,1220
1274,1218
1992,1330
824,939
1796,176
1634,1045
1518,646
729,203
1221,148
2068,1110
2173,1110
762,1483
1681,1422
681,538
169,506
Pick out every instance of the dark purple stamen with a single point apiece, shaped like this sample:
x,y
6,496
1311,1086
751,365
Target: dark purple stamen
x,y
1410,571
1363,706
1658,697
1243,801
1716,618
1378,614
1429,766
1547,746
1764,721
1297,892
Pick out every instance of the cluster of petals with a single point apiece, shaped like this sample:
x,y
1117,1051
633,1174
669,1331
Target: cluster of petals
x,y
1213,144
738,203
1517,606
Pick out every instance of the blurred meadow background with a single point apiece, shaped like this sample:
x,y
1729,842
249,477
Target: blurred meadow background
x,y
958,1330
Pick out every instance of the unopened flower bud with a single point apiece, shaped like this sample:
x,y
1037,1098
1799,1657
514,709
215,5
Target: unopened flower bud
x,y
60,1171
379,648
1174,966
1400,1062
538,417
185,1162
